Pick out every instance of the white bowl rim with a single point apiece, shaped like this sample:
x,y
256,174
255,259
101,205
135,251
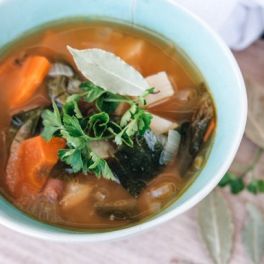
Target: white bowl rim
x,y
128,231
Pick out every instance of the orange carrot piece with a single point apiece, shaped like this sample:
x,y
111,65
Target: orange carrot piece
x,y
39,158
5,67
209,130
32,165
30,77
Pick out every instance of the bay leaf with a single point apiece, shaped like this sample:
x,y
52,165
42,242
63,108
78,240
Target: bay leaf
x,y
253,234
255,121
216,226
108,71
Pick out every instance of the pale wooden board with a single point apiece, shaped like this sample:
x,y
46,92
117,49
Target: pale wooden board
x,y
177,241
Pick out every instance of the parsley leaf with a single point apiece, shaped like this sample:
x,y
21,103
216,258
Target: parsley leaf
x,y
92,91
98,124
71,106
72,157
142,99
100,167
144,121
228,177
79,130
135,120
72,126
51,121
128,115
107,102
237,185
256,186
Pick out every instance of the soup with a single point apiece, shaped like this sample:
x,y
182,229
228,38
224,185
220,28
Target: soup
x,y
102,124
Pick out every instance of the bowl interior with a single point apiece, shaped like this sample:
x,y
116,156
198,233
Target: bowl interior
x,y
206,51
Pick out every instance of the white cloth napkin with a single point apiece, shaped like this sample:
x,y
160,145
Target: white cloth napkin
x,y
239,22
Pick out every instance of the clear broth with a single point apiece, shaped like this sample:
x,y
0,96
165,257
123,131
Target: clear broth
x,y
147,52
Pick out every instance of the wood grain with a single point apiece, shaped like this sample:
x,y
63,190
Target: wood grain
x,y
175,242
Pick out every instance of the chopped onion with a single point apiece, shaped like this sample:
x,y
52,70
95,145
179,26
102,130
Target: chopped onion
x,y
171,147
163,190
162,139
60,69
151,139
74,86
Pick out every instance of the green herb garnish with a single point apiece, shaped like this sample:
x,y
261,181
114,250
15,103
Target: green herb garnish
x,y
79,130
117,81
238,183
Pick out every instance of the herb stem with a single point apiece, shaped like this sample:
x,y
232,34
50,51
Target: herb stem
x,y
119,101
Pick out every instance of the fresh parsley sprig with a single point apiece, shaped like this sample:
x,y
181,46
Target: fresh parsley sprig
x,y
238,183
78,154
134,121
79,130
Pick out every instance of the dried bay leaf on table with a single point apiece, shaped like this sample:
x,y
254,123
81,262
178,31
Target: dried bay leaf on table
x,y
255,122
109,71
245,156
216,226
253,234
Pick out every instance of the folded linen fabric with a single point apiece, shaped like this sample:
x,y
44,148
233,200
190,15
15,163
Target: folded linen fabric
x,y
239,22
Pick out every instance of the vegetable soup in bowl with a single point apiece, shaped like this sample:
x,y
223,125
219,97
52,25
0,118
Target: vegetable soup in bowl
x,y
112,120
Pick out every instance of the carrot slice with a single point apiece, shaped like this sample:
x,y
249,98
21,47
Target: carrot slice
x,y
209,130
30,76
4,67
28,171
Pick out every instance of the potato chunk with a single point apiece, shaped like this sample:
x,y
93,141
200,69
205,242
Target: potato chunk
x,y
74,194
161,125
162,84
132,51
102,148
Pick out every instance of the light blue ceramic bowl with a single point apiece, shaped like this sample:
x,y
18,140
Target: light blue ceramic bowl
x,y
196,39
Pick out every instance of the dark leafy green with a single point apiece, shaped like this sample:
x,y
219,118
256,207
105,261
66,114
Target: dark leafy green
x,y
24,125
134,167
192,134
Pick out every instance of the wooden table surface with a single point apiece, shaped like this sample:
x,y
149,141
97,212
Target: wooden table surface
x,y
177,241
